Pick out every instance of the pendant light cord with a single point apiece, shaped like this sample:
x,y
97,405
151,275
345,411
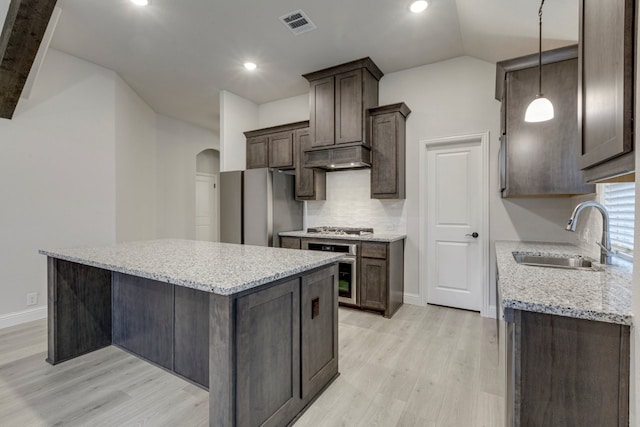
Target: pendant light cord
x,y
540,49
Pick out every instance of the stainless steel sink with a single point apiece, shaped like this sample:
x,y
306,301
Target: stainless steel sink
x,y
575,262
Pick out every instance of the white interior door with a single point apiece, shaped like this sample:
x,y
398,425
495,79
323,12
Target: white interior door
x,y
206,207
455,261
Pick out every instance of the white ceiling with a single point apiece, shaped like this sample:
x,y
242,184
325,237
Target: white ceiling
x,y
178,55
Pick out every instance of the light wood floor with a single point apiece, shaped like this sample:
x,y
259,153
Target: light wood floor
x,y
428,366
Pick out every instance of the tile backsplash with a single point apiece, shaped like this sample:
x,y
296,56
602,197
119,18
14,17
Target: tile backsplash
x,y
349,204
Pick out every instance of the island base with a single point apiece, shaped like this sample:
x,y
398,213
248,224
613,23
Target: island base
x,y
265,353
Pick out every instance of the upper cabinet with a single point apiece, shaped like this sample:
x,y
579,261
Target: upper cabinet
x,y
388,144
310,182
338,99
272,147
606,88
539,159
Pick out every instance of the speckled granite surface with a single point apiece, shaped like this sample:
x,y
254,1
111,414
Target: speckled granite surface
x,y
603,295
366,238
220,268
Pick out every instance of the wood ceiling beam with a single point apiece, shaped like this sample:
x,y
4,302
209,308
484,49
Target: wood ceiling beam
x,y
23,30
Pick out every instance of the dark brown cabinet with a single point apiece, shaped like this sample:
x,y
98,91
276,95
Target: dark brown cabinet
x,y
606,88
339,98
539,159
565,371
272,147
290,242
382,276
268,353
388,143
281,150
257,152
310,182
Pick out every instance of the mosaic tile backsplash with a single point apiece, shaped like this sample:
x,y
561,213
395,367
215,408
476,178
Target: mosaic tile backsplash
x,y
349,204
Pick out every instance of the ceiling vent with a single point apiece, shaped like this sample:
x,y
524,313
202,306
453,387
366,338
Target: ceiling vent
x,y
298,22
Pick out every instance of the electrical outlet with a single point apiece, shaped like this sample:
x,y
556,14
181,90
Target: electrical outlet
x,y
32,298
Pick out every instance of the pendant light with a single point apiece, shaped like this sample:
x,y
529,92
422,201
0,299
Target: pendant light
x,y
540,109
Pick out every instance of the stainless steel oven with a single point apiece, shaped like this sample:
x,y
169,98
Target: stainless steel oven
x,y
347,267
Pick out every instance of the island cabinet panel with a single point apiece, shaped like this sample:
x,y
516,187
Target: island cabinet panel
x,y
566,371
143,317
606,84
268,392
191,341
79,309
319,320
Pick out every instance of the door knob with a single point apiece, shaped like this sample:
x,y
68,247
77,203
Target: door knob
x,y
474,235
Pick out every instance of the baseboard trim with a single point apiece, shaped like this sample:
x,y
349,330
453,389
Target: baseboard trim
x,y
24,316
413,299
491,313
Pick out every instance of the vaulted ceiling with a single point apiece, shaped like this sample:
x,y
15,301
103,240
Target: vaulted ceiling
x,y
179,55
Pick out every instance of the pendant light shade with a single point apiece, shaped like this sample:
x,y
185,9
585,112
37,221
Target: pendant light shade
x,y
540,109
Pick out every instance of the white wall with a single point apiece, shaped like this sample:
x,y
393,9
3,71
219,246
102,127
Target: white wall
x,y
283,111
135,126
237,115
4,7
178,144
57,173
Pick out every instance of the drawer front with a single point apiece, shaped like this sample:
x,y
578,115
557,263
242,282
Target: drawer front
x,y
290,242
374,250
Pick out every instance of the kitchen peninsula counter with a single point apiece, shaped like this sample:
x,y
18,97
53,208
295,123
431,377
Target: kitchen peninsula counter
x,y
603,295
565,337
257,326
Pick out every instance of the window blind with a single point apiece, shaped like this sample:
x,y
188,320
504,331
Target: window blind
x,y
620,202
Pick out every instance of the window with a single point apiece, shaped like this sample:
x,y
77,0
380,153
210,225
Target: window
x,y
620,202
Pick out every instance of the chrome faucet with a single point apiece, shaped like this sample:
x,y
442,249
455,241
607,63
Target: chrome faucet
x,y
606,253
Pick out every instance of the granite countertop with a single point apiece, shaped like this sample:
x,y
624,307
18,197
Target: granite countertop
x,y
603,295
376,237
220,268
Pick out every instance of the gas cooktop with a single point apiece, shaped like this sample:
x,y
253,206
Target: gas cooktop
x,y
340,231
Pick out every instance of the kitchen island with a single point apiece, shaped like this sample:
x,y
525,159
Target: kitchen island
x,y
256,326
566,338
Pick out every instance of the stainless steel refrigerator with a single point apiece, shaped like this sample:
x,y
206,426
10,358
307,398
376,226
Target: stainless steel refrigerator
x,y
256,205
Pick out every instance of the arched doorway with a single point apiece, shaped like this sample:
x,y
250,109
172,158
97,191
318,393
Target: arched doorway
x,y
207,200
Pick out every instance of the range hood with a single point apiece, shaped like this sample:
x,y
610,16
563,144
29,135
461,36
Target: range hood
x,y
344,156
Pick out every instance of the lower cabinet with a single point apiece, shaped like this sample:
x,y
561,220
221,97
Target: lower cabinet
x,y
268,348
565,371
278,349
382,276
373,283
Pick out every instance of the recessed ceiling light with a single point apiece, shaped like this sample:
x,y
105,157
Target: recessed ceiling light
x,y
418,6
250,66
140,2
